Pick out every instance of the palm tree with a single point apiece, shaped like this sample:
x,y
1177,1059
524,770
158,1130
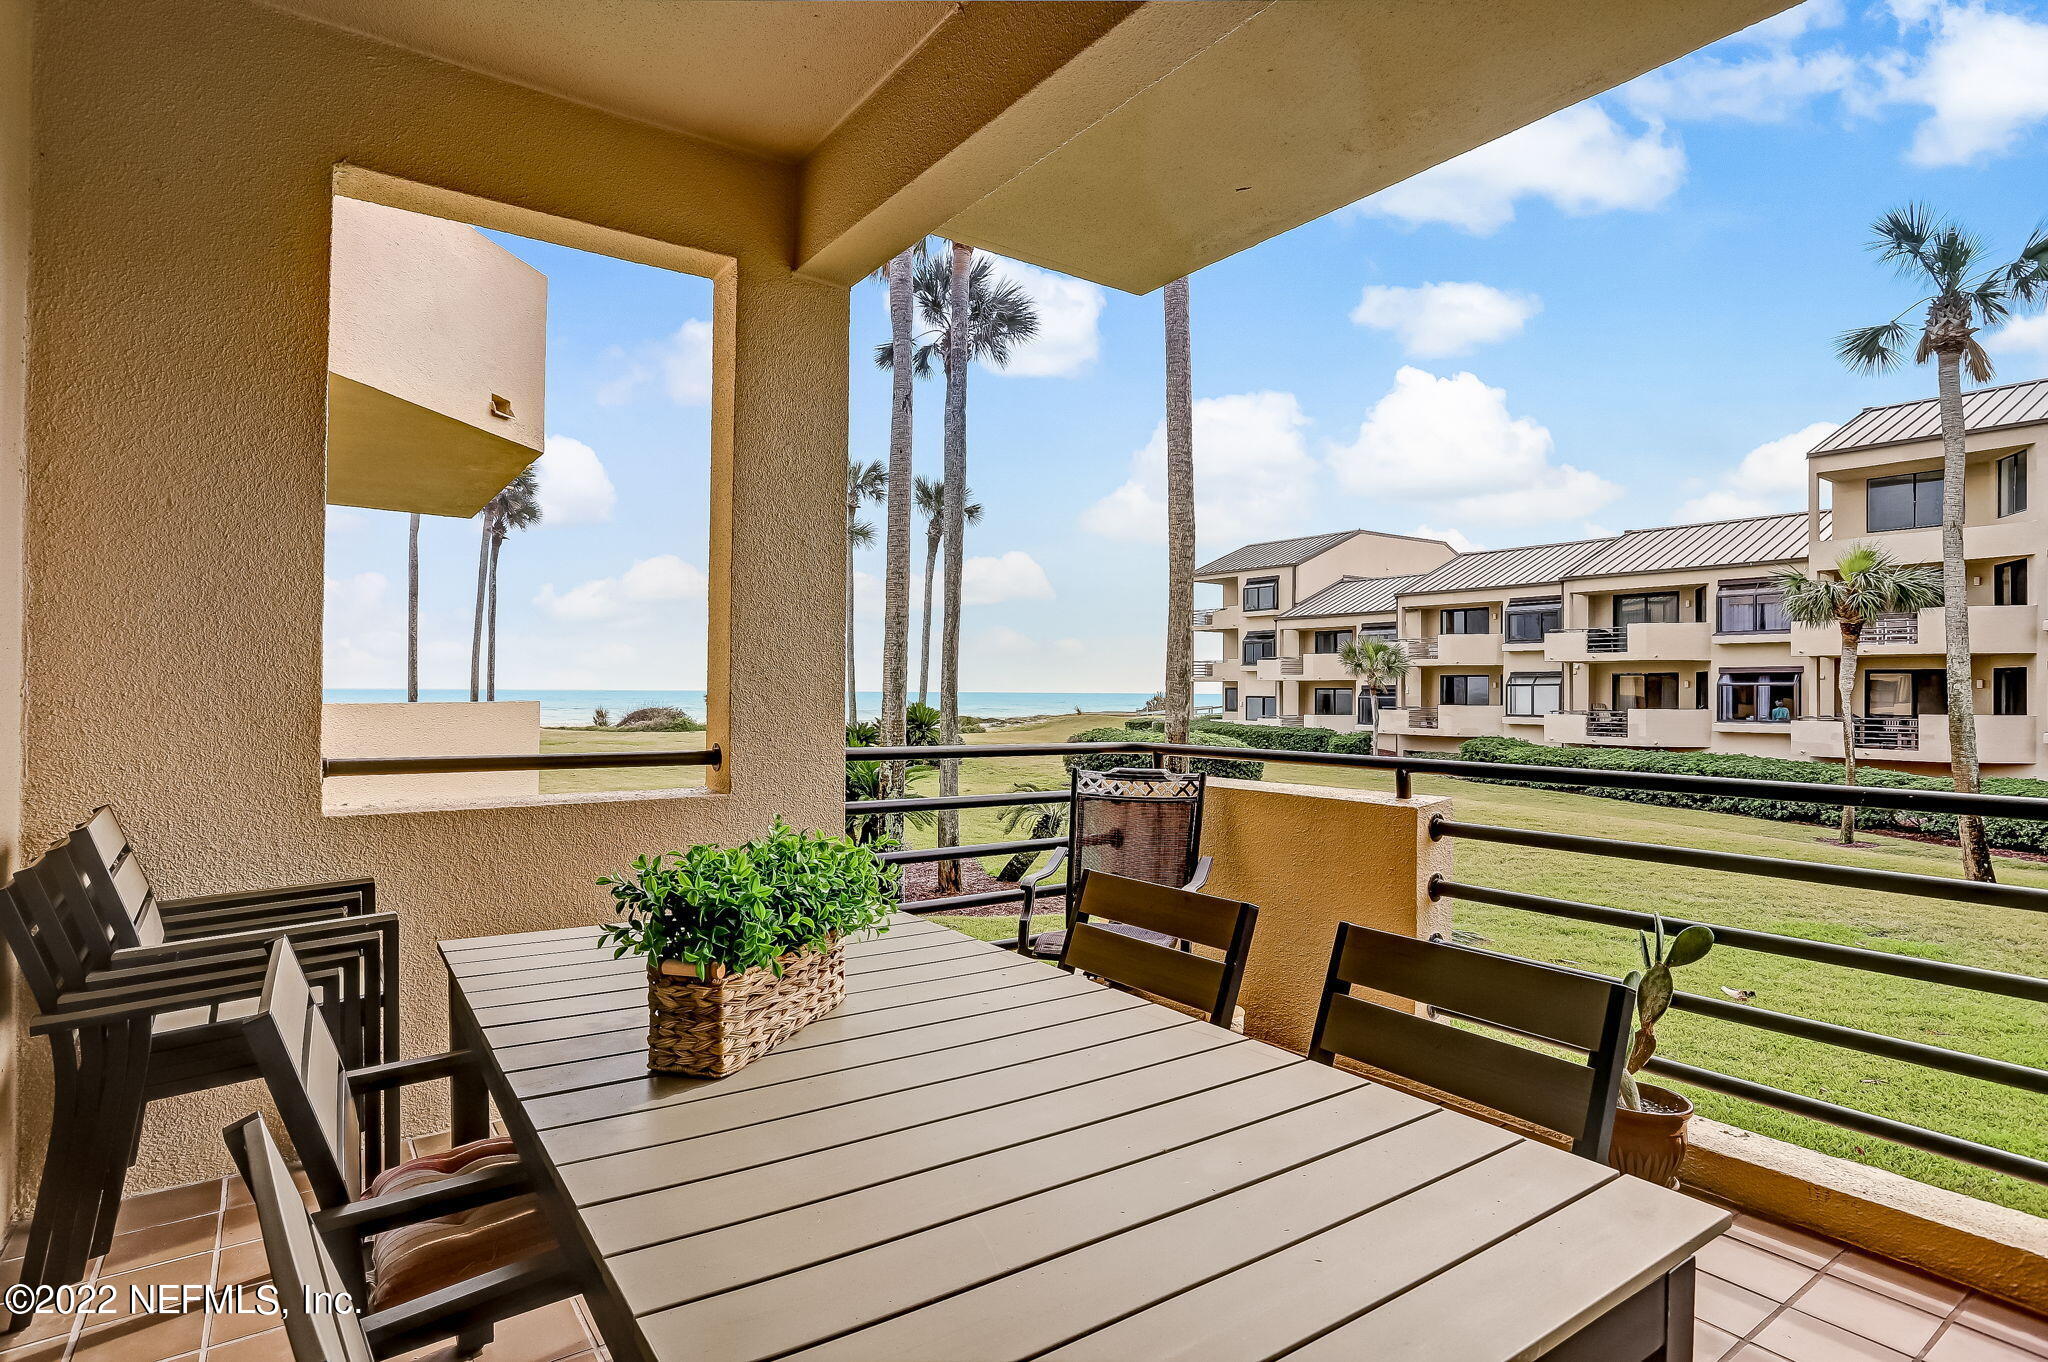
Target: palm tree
x,y
1379,663
518,508
865,482
1029,822
412,611
1180,520
1966,290
1867,582
896,575
931,504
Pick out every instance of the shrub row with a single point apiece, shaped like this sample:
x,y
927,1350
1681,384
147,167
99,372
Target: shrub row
x,y
1302,739
2011,833
1229,768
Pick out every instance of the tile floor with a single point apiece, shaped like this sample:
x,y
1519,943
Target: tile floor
x,y
1766,1294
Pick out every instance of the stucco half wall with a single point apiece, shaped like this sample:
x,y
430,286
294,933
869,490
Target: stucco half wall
x,y
493,728
186,155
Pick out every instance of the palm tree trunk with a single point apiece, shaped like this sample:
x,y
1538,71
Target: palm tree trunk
x,y
476,632
1955,619
1845,690
412,612
491,653
1180,521
896,580
931,571
953,517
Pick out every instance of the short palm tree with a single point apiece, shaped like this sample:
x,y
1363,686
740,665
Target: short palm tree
x,y
1379,663
1033,822
515,508
1965,289
931,504
1867,583
865,482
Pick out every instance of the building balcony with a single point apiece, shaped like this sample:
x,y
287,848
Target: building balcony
x,y
1454,650
1307,667
2002,739
1277,668
1993,629
2012,538
1686,641
1444,721
1629,727
1206,619
1203,670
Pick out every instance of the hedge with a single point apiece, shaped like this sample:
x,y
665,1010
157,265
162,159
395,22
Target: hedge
x,y
1302,739
1221,767
2016,834
1145,725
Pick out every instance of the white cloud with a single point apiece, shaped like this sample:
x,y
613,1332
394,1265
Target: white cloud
x,y
1001,657
342,520
574,488
1444,319
640,592
1069,322
1765,89
1450,443
1795,22
1983,80
1253,475
363,632
1455,538
1579,159
1013,576
2024,336
681,362
1770,478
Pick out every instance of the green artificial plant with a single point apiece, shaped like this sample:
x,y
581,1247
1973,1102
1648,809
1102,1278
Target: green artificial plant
x,y
1652,984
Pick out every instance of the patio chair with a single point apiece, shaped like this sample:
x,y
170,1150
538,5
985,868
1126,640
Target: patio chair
x,y
1140,823
1100,942
408,1243
1580,1012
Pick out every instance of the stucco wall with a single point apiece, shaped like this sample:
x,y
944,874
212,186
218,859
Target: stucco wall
x,y
485,729
15,153
186,159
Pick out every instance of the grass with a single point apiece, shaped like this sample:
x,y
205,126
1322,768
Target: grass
x,y
1993,938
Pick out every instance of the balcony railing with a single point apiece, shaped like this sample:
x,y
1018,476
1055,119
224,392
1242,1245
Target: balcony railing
x,y
1204,618
1893,629
1423,716
1887,732
1288,666
1614,640
1804,1029
1607,723
1202,670
1418,649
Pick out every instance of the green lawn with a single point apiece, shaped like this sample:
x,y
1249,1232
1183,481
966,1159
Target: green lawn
x,y
2004,939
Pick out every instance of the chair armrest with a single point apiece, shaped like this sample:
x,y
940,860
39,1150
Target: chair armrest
x,y
498,1294
1040,875
399,1073
1201,875
257,941
89,1007
360,891
443,1196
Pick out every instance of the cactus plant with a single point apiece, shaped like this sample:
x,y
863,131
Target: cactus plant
x,y
1652,984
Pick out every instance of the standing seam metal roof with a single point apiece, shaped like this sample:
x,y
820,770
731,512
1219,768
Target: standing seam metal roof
x,y
1350,596
1719,543
1275,553
1489,568
2010,404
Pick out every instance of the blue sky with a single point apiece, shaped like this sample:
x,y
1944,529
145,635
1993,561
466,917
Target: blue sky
x,y
1618,317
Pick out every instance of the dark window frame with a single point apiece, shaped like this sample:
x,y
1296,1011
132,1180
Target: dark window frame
x,y
1530,683
1927,683
2009,690
1320,696
1230,699
1456,688
1922,505
2011,480
1337,638
1614,688
1614,606
1756,607
2009,582
1261,594
1464,614
1261,706
1267,637
1771,680
1548,616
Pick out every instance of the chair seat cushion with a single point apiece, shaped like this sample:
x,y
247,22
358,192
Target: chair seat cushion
x,y
413,1260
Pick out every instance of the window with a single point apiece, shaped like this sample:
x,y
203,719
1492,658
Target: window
x,y
1332,700
1911,501
1649,607
1758,697
1331,640
1262,593
1471,620
2012,483
1923,690
1535,693
1529,620
2008,690
2009,583
1261,706
1465,690
1646,690
1371,702
1258,646
1386,631
1750,608
1699,690
1230,699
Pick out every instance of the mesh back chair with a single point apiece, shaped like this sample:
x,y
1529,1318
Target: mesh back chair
x,y
409,1237
140,1002
1138,823
1100,941
1582,1012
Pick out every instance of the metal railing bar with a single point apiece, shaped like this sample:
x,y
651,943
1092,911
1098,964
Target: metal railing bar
x,y
972,801
913,855
1027,749
536,761
1775,867
1968,977
1882,1127
957,901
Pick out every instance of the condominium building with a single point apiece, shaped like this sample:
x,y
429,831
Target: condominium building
x,y
1674,637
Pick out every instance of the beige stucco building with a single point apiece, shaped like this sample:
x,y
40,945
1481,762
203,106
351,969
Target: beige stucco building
x,y
1671,637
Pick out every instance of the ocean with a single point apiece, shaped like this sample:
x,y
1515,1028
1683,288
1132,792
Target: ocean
x,y
567,708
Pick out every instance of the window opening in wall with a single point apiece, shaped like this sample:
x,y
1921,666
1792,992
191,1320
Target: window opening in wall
x,y
518,483
1260,646
2008,690
1465,690
1650,607
1902,693
1533,694
2009,583
1753,607
1262,593
1261,706
2012,484
1476,619
1911,501
1331,640
1331,700
1759,697
1529,620
1230,699
1646,690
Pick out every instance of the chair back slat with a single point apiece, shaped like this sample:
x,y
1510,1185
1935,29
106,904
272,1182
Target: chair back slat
x,y
299,1262
107,859
1581,1012
303,1068
1141,824
53,925
1192,980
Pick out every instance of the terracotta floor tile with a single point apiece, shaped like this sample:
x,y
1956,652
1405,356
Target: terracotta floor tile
x,y
2005,1323
49,1350
550,1334
178,1239
1900,1283
238,1225
1710,1344
173,1203
269,1346
1749,1352
1880,1318
1799,1337
1958,1344
1746,1265
1801,1247
140,1338
1728,1306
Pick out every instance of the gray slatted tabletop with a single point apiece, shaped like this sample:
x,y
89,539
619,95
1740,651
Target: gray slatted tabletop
x,y
979,1157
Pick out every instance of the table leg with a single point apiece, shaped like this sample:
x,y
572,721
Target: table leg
x,y
1678,1314
469,1099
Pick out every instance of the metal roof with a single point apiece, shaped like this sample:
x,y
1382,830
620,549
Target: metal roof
x,y
1717,543
1275,553
2010,404
1526,566
1351,596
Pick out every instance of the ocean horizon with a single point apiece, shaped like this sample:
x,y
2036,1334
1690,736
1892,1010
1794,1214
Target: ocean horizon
x,y
570,708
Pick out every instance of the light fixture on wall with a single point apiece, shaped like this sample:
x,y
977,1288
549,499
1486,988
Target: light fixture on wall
x,y
501,407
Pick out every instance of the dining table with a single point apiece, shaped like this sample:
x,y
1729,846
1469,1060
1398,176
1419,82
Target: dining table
x,y
984,1156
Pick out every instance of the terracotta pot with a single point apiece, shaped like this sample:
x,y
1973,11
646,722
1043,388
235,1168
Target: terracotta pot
x,y
1651,1144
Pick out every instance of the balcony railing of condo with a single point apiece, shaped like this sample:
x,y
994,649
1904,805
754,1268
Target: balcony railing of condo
x,y
1804,1029
1289,666
1202,670
1421,716
1887,732
1607,723
1204,618
1893,629
1418,649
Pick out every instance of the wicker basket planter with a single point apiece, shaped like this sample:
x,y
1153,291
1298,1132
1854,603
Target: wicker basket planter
x,y
712,1026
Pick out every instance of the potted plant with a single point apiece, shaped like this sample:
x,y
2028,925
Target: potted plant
x,y
1649,1129
745,945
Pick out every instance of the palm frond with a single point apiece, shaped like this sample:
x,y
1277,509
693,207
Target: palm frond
x,y
1977,363
860,533
2027,277
1950,256
1871,349
1988,301
1900,236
